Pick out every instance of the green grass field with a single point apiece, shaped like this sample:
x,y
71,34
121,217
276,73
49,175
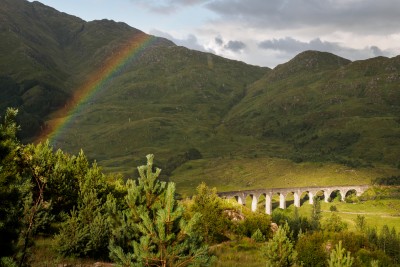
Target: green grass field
x,y
228,174
377,212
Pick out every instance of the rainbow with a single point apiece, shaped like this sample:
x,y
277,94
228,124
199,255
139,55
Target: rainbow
x,y
96,82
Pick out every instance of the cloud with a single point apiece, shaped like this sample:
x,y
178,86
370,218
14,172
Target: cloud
x,y
364,16
219,41
167,6
235,46
267,33
289,47
190,41
292,45
232,45
377,51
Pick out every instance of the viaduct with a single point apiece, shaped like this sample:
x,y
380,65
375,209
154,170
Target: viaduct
x,y
297,192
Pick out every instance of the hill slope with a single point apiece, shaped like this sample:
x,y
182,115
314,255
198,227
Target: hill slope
x,y
321,106
194,109
45,55
168,100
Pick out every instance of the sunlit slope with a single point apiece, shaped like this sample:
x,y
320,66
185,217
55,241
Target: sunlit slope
x,y
324,107
317,108
169,101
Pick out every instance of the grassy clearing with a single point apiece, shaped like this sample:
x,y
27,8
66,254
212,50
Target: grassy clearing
x,y
238,253
44,255
227,174
377,212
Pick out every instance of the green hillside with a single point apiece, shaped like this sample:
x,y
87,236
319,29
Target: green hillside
x,y
45,55
205,117
321,106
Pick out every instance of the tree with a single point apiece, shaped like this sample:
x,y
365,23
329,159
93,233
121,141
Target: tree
x,y
151,230
213,223
339,258
361,223
316,214
86,232
258,236
12,186
279,251
22,182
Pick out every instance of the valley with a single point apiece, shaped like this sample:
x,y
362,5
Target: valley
x,y
83,102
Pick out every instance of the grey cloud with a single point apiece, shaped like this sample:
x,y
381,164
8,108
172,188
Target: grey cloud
x,y
292,45
380,17
377,51
190,41
235,46
289,47
219,41
167,6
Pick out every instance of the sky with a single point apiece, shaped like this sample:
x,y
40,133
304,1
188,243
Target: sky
x,y
258,32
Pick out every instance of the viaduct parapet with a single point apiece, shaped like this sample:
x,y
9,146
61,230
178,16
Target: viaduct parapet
x,y
297,192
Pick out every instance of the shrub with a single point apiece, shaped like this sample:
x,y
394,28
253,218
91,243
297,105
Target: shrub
x,y
213,224
256,221
311,250
339,257
279,250
258,236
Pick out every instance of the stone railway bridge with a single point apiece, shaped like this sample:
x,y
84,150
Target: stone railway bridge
x,y
297,192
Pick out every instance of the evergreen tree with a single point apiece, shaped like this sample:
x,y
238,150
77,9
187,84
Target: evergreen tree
x,y
339,258
279,250
361,223
316,214
258,236
151,230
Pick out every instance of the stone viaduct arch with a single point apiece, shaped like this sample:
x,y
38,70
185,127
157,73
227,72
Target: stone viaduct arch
x,y
255,194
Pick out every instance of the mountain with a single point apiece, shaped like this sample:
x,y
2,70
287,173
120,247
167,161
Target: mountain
x,y
46,55
189,107
319,105
169,99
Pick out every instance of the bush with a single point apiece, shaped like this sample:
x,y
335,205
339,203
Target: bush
x,y
334,224
213,224
392,180
258,236
253,222
311,250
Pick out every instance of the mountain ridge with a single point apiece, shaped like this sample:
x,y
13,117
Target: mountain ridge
x,y
171,101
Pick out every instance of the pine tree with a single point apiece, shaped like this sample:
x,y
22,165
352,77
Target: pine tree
x,y
338,258
258,236
316,214
279,250
151,230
